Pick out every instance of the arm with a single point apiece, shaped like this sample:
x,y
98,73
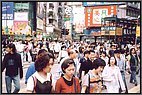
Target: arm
x,y
4,63
85,83
20,67
30,71
121,82
83,89
30,85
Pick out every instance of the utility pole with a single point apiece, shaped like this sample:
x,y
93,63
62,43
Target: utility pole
x,y
44,27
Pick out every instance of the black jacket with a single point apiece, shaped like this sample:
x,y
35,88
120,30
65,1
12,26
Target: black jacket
x,y
12,63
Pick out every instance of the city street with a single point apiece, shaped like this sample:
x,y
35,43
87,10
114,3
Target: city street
x,y
91,34
131,87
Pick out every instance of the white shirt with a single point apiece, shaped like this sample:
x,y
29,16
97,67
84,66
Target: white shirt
x,y
30,82
112,79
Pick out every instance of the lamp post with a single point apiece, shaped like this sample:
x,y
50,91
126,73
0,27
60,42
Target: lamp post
x,y
44,27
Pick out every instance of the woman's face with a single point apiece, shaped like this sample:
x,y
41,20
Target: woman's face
x,y
133,51
112,61
70,70
47,69
99,69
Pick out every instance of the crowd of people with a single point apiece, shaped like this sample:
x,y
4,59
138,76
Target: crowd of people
x,y
83,67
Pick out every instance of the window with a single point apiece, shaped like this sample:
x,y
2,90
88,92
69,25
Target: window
x,y
50,21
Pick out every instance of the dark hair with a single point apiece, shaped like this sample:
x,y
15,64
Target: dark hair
x,y
71,52
41,51
104,52
11,45
63,47
80,49
109,60
117,51
131,51
66,64
86,52
98,62
92,51
42,61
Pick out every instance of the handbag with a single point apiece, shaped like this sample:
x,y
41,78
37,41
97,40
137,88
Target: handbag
x,y
88,88
35,80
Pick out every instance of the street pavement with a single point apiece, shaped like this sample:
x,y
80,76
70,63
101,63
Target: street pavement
x,y
131,87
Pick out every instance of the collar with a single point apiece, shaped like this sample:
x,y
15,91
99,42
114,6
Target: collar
x,y
42,80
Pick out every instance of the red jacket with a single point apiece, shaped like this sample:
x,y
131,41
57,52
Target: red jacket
x,y
62,87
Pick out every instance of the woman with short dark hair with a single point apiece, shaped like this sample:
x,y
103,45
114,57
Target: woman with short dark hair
x,y
41,80
67,83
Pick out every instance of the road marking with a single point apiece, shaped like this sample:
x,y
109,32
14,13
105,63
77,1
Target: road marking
x,y
134,89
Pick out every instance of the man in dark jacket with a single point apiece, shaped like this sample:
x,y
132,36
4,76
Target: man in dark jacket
x,y
13,64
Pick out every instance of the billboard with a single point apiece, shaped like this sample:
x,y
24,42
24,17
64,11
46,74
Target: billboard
x,y
85,4
21,27
7,10
19,6
21,16
94,15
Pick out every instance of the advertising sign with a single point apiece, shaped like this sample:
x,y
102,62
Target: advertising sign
x,y
101,3
7,10
138,31
21,16
118,31
94,15
19,6
39,23
21,27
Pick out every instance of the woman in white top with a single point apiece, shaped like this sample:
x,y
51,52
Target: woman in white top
x,y
63,53
41,81
112,77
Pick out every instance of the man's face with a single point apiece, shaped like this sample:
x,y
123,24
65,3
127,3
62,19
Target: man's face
x,y
8,49
92,55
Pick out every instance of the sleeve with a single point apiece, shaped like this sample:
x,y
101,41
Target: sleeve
x,y
105,74
58,86
4,63
128,57
20,66
29,72
30,84
121,80
85,81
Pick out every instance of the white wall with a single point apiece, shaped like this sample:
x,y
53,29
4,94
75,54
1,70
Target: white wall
x,y
121,13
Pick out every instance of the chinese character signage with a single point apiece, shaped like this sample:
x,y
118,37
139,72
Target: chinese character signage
x,y
94,15
7,10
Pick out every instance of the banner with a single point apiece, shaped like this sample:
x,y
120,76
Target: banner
x,y
19,6
138,31
7,10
